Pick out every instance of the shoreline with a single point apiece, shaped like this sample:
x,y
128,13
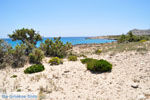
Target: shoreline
x,y
92,44
109,37
77,41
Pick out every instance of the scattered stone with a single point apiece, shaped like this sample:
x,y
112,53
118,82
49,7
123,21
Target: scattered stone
x,y
66,71
135,85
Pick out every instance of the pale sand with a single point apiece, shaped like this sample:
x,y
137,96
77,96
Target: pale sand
x,y
72,81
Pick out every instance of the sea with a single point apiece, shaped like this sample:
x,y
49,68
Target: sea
x,y
73,40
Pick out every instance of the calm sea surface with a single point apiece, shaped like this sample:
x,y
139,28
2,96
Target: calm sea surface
x,y
73,40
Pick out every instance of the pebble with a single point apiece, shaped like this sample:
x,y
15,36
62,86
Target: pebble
x,y
66,71
134,85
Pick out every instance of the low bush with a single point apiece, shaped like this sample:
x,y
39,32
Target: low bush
x,y
82,55
18,90
72,58
13,76
55,61
97,65
98,51
36,56
34,69
142,41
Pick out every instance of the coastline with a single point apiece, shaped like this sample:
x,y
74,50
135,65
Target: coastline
x,y
109,37
93,44
73,40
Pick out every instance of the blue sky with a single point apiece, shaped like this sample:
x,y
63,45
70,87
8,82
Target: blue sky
x,y
74,17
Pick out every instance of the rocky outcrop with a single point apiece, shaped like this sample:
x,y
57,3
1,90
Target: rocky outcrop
x,y
140,32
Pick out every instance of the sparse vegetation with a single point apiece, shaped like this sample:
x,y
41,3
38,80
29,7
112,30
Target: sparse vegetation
x,y
72,58
18,56
132,38
27,51
142,50
111,37
55,61
36,56
34,69
124,47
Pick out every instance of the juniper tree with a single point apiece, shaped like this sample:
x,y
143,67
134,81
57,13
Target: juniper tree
x,y
29,37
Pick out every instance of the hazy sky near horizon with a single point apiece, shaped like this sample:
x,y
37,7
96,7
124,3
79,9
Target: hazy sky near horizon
x,y
74,17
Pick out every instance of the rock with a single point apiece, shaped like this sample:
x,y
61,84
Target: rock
x,y
135,85
141,97
66,71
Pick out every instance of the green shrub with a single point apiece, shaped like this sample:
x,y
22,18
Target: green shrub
x,y
18,90
97,65
98,51
36,56
55,47
13,76
34,69
132,38
142,41
18,57
55,61
122,39
86,60
72,58
82,55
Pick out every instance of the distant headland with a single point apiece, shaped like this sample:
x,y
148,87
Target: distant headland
x,y
138,32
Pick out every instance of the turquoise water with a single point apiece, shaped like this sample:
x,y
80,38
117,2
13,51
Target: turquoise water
x,y
73,40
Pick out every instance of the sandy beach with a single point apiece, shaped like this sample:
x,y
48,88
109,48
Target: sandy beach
x,y
128,80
